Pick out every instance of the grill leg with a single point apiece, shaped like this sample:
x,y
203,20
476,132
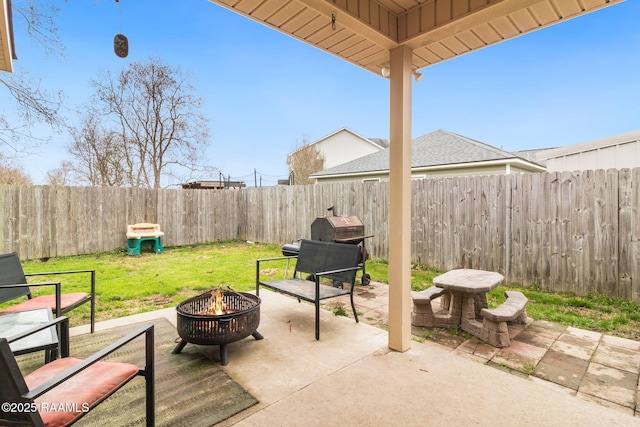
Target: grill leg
x,y
224,357
257,335
179,347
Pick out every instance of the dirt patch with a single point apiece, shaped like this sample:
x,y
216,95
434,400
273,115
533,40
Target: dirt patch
x,y
270,271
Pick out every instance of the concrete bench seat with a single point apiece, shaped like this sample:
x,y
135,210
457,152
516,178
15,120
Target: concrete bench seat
x,y
422,314
495,319
428,294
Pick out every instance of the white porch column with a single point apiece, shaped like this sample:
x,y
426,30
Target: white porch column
x,y
400,200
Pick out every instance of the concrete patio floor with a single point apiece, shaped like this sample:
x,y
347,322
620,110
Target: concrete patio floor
x,y
351,377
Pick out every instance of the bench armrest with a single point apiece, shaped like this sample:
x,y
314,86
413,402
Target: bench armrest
x,y
342,270
258,261
49,273
57,285
276,258
27,285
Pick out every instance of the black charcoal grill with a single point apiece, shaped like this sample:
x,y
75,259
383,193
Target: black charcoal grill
x,y
338,229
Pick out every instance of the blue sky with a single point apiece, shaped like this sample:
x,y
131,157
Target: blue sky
x,y
265,92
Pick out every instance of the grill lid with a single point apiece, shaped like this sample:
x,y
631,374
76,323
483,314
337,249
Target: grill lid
x,y
342,229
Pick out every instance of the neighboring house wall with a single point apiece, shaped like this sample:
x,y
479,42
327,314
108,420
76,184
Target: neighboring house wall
x,y
343,146
615,152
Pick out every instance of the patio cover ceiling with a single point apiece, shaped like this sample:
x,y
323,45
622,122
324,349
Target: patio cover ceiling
x,y
364,31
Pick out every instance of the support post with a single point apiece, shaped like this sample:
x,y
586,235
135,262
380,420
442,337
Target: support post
x,y
400,200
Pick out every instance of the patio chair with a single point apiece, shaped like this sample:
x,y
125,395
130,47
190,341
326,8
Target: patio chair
x,y
13,284
61,392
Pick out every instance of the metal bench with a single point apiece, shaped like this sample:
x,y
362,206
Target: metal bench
x,y
337,262
495,319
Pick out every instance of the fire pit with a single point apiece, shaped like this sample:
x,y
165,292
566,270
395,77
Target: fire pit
x,y
218,317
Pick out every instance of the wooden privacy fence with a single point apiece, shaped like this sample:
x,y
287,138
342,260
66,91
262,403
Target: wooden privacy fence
x,y
577,232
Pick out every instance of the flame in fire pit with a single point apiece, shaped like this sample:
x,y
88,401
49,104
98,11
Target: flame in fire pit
x,y
216,305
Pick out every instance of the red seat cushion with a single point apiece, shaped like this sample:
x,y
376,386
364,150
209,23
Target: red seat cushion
x,y
67,401
44,301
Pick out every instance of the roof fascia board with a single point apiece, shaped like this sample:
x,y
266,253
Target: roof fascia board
x,y
354,174
367,140
503,162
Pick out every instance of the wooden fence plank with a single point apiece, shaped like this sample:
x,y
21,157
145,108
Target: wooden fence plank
x,y
587,223
625,214
635,236
517,230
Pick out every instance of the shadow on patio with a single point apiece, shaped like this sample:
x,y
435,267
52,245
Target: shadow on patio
x,y
350,376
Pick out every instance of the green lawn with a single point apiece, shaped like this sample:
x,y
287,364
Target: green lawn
x,y
128,285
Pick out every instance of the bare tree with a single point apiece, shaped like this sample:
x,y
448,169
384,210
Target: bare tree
x,y
12,174
154,111
62,175
305,161
32,104
99,158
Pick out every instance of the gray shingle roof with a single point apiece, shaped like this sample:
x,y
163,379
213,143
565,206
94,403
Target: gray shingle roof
x,y
433,149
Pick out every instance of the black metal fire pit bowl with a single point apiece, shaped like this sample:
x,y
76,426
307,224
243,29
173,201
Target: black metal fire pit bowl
x,y
242,320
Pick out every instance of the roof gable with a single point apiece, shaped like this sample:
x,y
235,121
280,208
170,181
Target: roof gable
x,y
379,143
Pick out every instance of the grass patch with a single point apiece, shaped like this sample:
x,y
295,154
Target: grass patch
x,y
421,276
529,369
592,312
430,334
339,310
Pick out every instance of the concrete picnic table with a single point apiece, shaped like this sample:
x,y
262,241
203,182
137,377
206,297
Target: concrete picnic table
x,y
467,297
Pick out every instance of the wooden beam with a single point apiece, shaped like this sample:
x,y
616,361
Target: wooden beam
x,y
383,34
400,200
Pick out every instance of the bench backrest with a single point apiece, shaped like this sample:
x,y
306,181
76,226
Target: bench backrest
x,y
316,256
11,273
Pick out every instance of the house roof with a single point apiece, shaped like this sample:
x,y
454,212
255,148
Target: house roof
x,y
437,148
7,50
